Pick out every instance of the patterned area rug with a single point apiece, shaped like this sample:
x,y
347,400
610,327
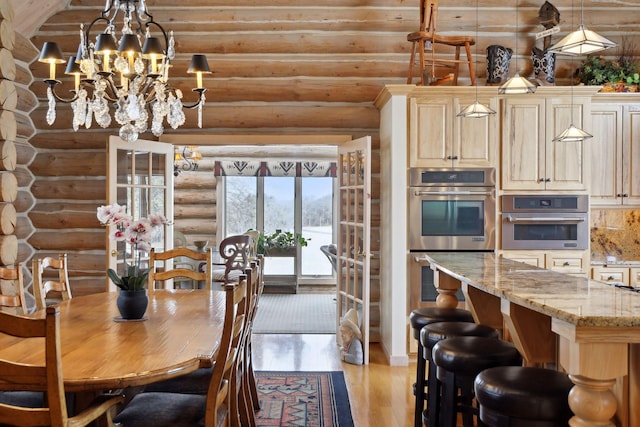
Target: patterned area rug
x,y
309,399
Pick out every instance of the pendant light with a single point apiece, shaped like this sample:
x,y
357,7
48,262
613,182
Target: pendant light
x,y
517,84
572,133
582,41
476,110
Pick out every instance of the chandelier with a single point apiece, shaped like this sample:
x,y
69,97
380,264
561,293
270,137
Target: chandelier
x,y
129,72
187,160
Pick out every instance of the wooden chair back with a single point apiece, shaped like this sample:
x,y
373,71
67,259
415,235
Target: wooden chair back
x,y
234,251
45,376
159,273
42,287
219,394
428,16
244,399
12,282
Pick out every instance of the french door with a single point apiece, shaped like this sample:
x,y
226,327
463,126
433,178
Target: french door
x,y
354,223
139,176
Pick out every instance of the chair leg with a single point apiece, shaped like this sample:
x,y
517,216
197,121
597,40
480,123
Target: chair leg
x,y
419,386
433,395
422,66
472,67
413,58
456,66
448,401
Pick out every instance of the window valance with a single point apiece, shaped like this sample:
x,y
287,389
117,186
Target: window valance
x,y
275,168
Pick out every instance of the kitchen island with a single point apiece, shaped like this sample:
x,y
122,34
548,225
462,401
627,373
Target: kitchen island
x,y
588,328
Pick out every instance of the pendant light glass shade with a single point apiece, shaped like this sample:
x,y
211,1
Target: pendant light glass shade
x,y
581,42
476,110
572,134
516,85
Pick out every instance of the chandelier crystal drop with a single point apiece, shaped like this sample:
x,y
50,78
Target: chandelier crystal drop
x,y
125,76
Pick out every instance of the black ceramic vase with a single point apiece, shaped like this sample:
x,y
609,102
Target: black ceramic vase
x,y
132,304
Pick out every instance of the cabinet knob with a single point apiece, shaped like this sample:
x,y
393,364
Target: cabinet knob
x,y
540,179
610,278
455,157
625,195
566,263
548,180
618,195
449,158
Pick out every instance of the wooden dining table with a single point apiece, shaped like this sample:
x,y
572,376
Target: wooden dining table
x,y
180,333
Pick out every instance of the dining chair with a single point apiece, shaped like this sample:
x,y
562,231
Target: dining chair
x,y
12,297
242,402
234,251
162,409
42,287
427,36
159,273
244,385
40,384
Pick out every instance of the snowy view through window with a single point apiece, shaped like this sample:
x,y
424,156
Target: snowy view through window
x,y
243,213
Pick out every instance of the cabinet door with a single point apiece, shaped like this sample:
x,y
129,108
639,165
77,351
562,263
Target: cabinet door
x,y
474,139
634,277
523,153
430,134
565,162
631,155
611,274
606,152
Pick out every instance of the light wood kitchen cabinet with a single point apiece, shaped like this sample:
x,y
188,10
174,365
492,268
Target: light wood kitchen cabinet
x,y
615,151
439,138
530,158
634,277
611,274
569,262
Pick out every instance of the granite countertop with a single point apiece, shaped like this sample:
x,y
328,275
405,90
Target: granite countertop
x,y
576,300
619,263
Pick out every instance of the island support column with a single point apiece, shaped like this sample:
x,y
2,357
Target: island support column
x,y
593,367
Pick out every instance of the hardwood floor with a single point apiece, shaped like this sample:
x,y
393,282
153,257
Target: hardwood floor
x,y
380,395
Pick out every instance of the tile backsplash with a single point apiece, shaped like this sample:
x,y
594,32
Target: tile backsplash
x,y
615,232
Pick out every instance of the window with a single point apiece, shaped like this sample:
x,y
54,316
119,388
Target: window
x,y
297,204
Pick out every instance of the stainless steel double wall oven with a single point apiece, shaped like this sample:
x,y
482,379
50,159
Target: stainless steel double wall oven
x,y
449,210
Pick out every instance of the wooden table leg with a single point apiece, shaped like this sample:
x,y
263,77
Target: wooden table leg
x,y
592,402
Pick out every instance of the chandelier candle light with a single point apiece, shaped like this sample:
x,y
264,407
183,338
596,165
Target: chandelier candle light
x,y
187,160
131,73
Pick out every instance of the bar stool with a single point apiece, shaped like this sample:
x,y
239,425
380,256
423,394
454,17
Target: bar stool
x,y
511,396
458,361
432,334
418,319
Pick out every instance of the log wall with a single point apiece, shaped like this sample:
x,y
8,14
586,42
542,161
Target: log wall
x,y
278,67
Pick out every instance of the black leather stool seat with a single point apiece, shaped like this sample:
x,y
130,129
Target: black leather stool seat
x,y
459,360
469,356
421,317
430,336
523,397
418,319
436,332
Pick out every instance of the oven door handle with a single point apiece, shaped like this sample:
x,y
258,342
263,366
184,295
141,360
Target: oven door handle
x,y
509,218
452,193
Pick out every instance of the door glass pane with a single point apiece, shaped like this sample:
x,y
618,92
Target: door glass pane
x,y
279,213
240,204
279,194
317,220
